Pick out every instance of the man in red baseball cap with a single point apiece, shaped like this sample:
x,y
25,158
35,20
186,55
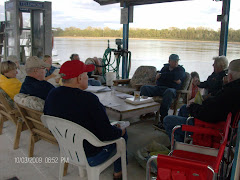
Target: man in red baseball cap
x,y
72,103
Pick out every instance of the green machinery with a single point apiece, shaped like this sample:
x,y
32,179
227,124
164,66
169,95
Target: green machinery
x,y
109,65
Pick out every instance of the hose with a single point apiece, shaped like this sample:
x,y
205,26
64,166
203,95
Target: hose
x,y
108,66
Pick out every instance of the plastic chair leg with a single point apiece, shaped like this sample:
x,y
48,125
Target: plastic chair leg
x,y
82,172
124,167
93,173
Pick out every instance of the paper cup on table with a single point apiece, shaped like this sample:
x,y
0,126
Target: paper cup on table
x,y
110,76
136,95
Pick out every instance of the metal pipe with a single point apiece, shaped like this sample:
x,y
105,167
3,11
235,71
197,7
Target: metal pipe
x,y
172,138
125,45
224,27
211,169
148,167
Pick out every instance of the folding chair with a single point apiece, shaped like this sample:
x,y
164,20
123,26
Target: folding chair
x,y
194,161
228,160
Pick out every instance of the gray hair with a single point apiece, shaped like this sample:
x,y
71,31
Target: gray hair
x,y
221,61
13,58
234,69
30,70
64,81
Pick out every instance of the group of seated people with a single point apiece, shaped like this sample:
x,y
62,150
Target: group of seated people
x,y
68,101
222,95
71,102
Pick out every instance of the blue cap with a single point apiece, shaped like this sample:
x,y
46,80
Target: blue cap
x,y
174,57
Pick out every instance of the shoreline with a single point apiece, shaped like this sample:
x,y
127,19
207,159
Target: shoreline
x,y
183,40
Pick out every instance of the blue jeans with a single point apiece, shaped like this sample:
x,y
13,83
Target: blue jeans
x,y
183,111
168,95
169,122
106,153
93,82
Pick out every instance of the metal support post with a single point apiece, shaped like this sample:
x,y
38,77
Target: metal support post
x,y
125,47
224,27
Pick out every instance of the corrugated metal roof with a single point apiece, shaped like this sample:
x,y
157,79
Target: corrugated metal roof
x,y
134,2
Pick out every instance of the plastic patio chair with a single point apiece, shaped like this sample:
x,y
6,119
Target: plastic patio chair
x,y
70,137
193,161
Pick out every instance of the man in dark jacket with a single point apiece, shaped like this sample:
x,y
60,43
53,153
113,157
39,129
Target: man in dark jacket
x,y
213,109
34,83
214,82
72,103
168,80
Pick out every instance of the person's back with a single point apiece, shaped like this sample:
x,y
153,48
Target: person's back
x,y
34,83
84,109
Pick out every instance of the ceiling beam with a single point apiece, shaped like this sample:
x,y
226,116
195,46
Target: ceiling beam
x,y
134,2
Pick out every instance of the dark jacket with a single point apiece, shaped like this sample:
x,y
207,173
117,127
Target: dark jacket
x,y
214,82
168,77
216,109
36,88
85,109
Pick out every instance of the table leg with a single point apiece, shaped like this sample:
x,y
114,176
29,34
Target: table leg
x,y
157,116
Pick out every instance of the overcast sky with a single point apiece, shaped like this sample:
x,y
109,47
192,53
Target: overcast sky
x,y
84,13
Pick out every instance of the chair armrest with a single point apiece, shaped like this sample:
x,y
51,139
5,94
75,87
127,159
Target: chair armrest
x,y
14,111
104,143
98,143
121,81
194,129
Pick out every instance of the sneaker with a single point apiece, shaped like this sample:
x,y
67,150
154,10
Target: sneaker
x,y
159,127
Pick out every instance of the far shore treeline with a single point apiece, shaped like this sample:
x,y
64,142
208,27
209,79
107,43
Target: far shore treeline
x,y
199,33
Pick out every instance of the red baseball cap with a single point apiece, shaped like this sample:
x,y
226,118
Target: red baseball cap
x,y
72,69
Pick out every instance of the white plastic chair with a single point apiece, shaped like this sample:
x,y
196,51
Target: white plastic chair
x,y
70,138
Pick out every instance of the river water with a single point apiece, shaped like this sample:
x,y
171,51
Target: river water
x,y
194,56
